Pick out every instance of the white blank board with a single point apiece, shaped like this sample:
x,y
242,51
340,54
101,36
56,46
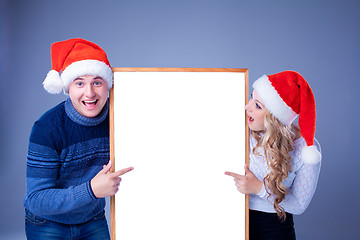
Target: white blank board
x,y
180,131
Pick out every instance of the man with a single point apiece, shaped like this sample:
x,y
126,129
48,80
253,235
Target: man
x,y
68,169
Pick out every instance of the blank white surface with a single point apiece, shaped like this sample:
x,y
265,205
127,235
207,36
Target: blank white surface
x,y
180,131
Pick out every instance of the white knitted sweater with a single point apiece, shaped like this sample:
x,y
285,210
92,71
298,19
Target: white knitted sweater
x,y
301,182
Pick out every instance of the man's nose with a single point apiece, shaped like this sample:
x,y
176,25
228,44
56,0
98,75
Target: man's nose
x,y
89,91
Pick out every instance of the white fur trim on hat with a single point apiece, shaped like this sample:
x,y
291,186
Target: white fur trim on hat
x,y
53,83
86,67
273,102
310,155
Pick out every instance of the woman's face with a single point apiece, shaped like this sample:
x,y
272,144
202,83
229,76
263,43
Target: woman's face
x,y
256,111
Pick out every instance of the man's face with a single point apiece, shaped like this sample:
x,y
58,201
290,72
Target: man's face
x,y
88,95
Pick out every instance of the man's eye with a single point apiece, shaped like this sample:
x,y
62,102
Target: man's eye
x,y
97,83
79,84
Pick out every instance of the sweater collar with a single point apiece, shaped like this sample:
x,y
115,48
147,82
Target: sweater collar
x,y
75,116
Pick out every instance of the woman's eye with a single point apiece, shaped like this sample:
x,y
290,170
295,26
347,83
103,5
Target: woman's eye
x,y
258,106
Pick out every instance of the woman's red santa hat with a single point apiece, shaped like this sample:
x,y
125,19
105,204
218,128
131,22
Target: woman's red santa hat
x,y
74,58
287,95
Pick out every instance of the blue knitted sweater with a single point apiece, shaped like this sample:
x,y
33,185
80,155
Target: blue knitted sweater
x,y
66,150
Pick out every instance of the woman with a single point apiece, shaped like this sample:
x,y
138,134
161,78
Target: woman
x,y
284,159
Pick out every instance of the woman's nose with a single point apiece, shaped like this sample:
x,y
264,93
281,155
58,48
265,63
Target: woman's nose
x,y
248,106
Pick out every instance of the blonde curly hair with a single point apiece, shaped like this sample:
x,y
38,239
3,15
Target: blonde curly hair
x,y
277,141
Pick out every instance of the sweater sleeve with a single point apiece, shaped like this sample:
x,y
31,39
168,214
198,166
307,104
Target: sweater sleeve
x,y
44,196
302,189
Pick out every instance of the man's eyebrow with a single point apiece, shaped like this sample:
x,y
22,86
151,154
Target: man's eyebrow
x,y
98,77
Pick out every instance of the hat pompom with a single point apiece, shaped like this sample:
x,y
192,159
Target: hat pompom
x,y
310,155
53,83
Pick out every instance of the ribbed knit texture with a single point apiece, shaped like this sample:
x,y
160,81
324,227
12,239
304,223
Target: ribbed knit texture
x,y
66,150
301,182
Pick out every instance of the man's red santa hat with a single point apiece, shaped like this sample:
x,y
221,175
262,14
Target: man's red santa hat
x,y
287,95
74,58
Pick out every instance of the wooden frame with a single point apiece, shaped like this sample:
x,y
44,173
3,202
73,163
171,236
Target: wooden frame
x,y
112,134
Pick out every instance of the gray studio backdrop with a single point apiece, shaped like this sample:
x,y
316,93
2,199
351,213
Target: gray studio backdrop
x,y
320,39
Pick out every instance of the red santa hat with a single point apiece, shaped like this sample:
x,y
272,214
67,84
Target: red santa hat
x,y
287,95
74,58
